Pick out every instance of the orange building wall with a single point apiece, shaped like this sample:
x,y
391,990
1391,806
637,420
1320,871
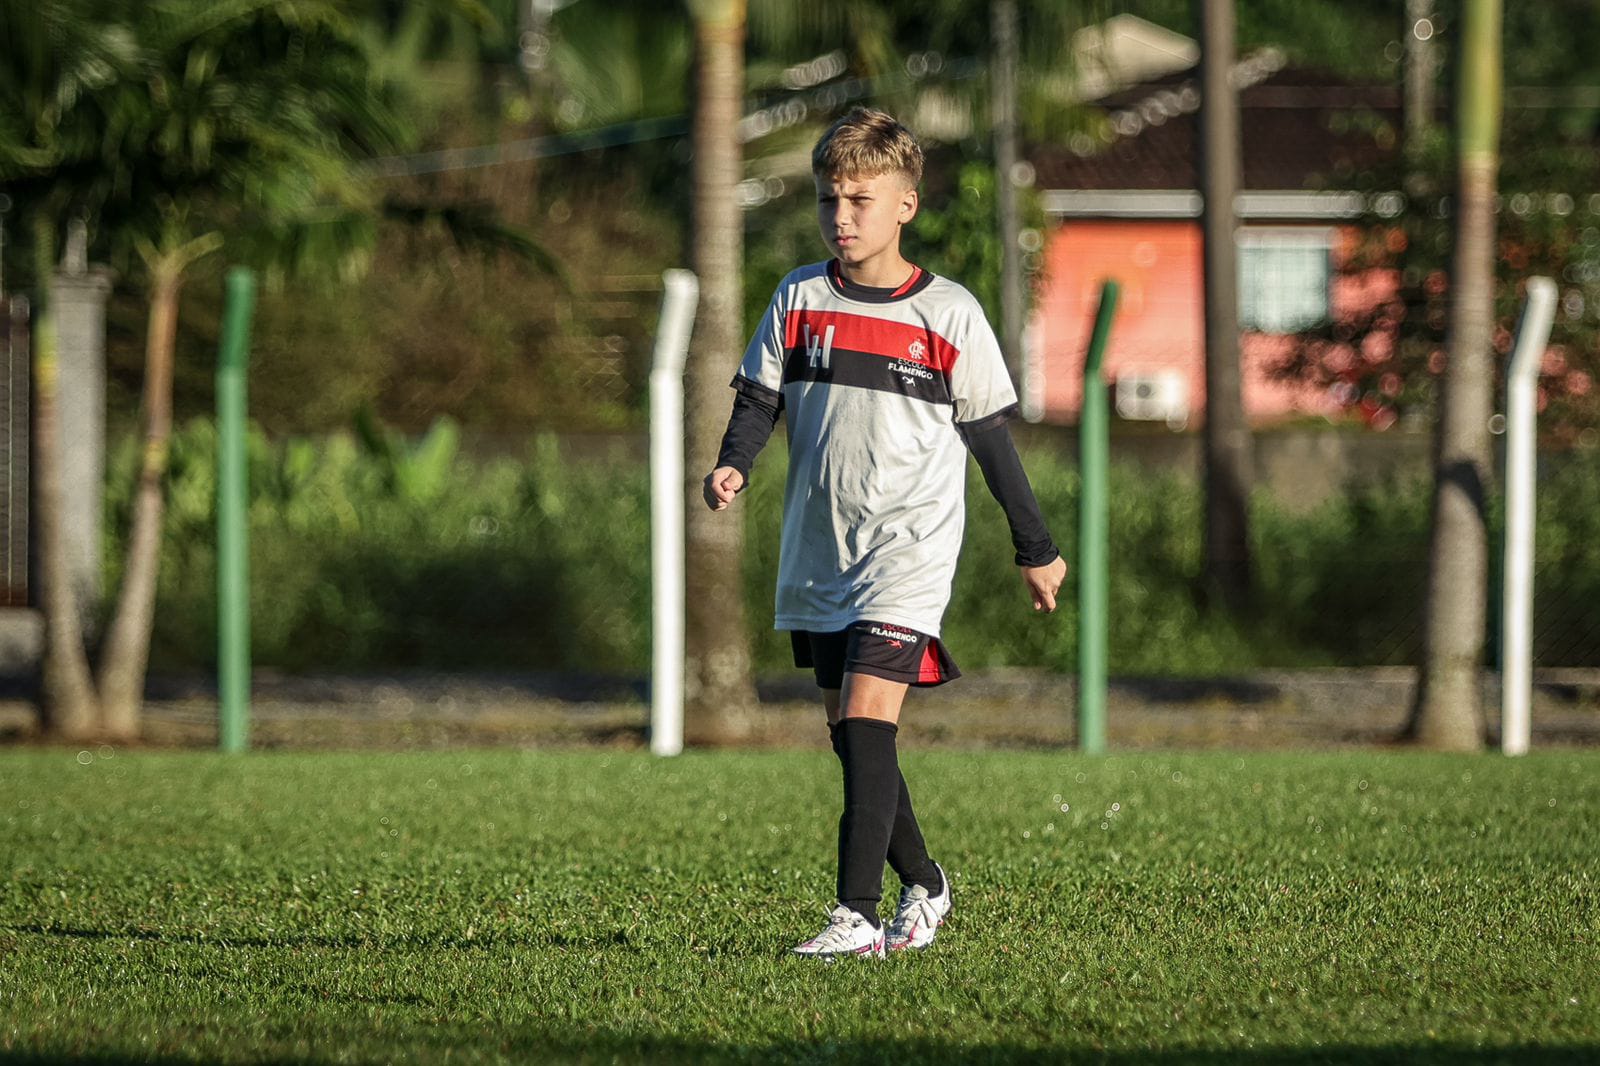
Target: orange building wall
x,y
1159,323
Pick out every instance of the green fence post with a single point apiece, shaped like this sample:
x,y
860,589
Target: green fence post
x,y
233,529
1093,445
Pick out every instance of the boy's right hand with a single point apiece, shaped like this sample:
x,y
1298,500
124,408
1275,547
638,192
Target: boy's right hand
x,y
722,484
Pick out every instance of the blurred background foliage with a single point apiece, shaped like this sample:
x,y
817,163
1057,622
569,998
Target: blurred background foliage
x,y
445,324
443,426
1550,205
375,551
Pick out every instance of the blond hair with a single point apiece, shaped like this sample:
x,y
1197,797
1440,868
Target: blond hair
x,y
865,143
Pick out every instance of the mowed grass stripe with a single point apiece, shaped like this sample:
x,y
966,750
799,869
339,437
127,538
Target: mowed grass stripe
x,y
587,906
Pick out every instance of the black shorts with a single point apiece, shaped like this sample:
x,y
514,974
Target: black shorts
x,y
894,653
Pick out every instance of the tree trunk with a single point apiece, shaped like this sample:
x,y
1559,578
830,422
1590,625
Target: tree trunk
x,y
1448,711
719,695
1419,37
126,654
1228,446
68,708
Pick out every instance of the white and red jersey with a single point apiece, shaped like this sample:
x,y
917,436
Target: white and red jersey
x,y
872,384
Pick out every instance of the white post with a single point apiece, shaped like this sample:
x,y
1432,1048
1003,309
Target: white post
x,y
666,509
1522,414
1032,372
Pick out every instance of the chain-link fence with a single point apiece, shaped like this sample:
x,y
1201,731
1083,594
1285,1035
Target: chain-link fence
x,y
421,554
458,551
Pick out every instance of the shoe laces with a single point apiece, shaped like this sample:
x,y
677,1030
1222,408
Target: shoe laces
x,y
914,905
841,921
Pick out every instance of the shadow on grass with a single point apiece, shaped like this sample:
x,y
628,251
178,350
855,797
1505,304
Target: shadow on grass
x,y
375,941
561,1046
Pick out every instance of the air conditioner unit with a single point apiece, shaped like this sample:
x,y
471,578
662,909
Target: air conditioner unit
x,y
1153,396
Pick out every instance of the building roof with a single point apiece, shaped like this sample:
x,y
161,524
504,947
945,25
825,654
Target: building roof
x,y
1301,129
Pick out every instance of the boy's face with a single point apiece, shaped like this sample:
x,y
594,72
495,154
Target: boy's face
x,y
861,217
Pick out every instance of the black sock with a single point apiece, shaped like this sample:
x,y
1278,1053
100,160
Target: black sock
x,y
908,855
871,795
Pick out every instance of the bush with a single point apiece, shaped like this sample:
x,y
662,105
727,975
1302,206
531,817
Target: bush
x,y
372,552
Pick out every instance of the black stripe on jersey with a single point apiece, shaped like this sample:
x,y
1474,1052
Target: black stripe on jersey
x,y
868,370
919,280
978,425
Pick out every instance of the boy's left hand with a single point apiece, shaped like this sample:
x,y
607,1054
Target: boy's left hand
x,y
1043,582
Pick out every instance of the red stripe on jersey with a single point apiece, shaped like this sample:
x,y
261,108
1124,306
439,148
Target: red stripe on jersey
x,y
868,333
929,670
916,272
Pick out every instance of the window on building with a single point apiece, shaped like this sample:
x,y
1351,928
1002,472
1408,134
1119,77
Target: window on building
x,y
1284,276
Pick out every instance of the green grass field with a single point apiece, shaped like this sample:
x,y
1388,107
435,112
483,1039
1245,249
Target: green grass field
x,y
585,906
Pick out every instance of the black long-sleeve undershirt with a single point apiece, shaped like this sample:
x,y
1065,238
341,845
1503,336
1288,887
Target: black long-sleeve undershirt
x,y
755,415
989,441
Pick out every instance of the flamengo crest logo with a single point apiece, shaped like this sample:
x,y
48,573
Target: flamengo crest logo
x,y
917,350
818,352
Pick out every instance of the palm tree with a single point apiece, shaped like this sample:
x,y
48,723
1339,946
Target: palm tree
x,y
1448,709
265,134
69,707
720,695
60,58
173,129
1228,446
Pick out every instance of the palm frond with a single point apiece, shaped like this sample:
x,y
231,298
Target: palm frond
x,y
477,227
175,23
618,64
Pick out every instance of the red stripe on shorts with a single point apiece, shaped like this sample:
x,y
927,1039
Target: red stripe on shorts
x,y
929,670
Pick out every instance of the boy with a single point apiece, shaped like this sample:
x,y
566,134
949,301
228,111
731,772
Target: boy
x,y
883,371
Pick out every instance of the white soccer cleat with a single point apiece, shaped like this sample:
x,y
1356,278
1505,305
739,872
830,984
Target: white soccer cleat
x,y
847,934
918,917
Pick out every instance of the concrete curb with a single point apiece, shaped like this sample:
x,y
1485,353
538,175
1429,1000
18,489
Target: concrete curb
x,y
1285,709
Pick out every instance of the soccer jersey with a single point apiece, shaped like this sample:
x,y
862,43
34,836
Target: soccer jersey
x,y
872,386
